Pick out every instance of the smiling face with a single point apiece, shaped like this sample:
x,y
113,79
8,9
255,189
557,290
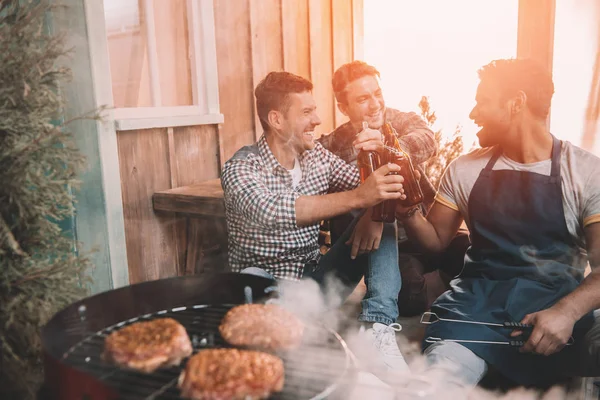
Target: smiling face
x,y
492,113
364,102
298,123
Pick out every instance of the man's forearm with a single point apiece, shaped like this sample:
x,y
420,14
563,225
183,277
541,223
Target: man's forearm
x,y
312,209
583,299
419,229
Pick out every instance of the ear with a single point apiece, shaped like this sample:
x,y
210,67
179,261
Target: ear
x,y
343,107
275,119
519,102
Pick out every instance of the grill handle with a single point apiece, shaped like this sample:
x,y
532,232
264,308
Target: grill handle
x,y
517,325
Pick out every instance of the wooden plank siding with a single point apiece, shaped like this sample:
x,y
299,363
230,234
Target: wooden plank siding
x,y
253,37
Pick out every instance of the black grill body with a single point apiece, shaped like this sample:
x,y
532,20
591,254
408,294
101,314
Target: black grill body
x,y
73,340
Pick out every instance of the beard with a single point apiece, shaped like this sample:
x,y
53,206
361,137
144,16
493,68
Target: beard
x,y
486,138
492,134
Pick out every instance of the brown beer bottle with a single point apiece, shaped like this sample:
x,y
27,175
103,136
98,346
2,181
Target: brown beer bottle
x,y
367,162
386,210
412,189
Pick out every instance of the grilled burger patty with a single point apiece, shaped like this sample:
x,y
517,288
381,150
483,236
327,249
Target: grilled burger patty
x,y
231,374
147,346
263,326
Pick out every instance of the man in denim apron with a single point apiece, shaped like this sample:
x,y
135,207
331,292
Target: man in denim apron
x,y
532,205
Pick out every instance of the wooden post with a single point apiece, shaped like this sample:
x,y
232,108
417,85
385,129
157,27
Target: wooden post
x,y
535,37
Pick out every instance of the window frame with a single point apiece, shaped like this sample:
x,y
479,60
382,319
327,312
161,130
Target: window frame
x,y
204,77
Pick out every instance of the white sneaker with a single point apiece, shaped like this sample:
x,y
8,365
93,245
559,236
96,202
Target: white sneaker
x,y
383,338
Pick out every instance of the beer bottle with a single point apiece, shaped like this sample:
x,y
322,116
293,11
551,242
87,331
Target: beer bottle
x,y
367,162
412,189
386,210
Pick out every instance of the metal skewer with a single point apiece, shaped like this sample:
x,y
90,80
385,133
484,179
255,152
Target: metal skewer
x,y
429,318
432,318
512,343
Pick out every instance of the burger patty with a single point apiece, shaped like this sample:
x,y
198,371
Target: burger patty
x,y
263,326
231,374
147,346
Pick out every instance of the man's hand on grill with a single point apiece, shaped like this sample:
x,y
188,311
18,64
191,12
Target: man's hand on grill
x,y
380,186
366,235
368,139
552,330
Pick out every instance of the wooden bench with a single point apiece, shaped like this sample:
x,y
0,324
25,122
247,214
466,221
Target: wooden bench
x,y
204,210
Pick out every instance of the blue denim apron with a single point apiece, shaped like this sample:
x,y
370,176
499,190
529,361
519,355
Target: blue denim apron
x,y
522,260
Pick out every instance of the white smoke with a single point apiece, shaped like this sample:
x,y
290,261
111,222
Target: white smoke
x,y
307,300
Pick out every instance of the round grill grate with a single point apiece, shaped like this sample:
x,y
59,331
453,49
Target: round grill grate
x,y
313,371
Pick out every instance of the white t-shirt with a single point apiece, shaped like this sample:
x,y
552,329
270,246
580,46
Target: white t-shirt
x,y
580,178
296,173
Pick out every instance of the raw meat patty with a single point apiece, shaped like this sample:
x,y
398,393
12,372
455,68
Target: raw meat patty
x,y
231,374
262,326
147,346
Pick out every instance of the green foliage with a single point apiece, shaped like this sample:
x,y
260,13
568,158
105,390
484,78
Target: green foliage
x,y
448,149
40,272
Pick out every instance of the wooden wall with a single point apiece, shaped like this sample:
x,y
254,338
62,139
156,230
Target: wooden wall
x,y
307,37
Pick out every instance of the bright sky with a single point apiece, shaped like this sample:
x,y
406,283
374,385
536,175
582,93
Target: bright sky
x,y
435,47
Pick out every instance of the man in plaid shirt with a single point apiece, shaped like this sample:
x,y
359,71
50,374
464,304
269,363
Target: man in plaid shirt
x,y
360,98
279,189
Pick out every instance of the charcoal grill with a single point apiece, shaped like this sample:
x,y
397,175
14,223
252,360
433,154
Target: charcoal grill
x,y
73,340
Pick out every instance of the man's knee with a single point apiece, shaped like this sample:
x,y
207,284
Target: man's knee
x,y
456,362
257,271
591,347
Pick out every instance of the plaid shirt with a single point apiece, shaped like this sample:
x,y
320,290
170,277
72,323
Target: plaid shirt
x,y
260,207
412,134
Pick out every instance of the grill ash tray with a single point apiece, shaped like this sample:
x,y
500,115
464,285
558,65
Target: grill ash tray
x,y
313,371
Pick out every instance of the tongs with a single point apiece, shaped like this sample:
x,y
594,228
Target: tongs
x,y
429,318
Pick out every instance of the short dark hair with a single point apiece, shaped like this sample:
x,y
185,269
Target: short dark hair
x,y
513,75
272,93
349,73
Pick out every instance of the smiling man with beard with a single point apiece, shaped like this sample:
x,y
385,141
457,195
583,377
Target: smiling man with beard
x,y
279,189
532,205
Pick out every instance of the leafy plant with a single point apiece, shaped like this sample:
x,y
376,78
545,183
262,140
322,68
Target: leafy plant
x,y
40,271
449,149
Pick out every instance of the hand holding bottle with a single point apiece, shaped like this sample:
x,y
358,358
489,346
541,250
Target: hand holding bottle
x,y
368,139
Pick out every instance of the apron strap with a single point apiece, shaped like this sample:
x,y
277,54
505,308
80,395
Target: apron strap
x,y
490,165
556,149
554,172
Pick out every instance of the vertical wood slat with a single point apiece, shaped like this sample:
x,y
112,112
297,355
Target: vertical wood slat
x,y
321,61
358,31
592,112
535,37
178,224
196,65
209,55
341,23
267,52
535,33
196,151
148,6
151,246
295,37
173,170
234,59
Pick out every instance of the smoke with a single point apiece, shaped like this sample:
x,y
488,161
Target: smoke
x,y
570,260
325,306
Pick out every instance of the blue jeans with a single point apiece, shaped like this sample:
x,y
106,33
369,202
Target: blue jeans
x,y
379,268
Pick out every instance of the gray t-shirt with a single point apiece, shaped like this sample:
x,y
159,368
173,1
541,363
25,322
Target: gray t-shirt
x,y
580,177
